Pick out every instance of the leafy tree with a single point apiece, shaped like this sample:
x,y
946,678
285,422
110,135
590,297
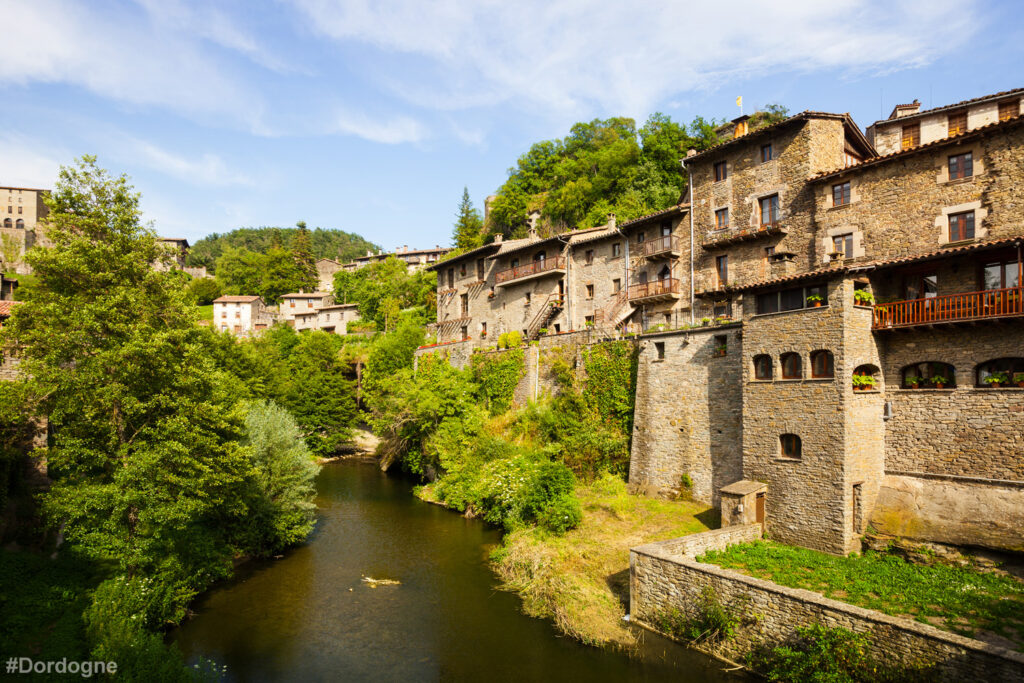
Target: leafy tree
x,y
376,286
302,250
391,353
205,290
320,395
334,244
148,469
468,232
240,271
280,499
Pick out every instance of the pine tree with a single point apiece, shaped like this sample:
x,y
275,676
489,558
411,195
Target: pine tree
x,y
468,232
302,250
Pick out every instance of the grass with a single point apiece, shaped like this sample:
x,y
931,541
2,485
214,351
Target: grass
x,y
581,579
206,312
958,599
41,605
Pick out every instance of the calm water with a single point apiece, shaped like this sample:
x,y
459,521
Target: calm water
x,y
308,617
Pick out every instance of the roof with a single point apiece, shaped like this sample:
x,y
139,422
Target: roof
x,y
234,298
329,260
6,307
173,239
306,295
966,135
513,246
743,487
30,189
490,246
809,275
337,306
802,116
945,107
657,214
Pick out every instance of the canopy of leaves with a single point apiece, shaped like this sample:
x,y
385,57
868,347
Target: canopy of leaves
x,y
601,167
383,289
269,275
323,243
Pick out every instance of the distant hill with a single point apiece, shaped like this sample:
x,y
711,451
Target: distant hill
x,y
334,244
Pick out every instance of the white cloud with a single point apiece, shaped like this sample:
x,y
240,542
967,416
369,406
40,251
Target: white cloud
x,y
580,56
29,163
208,169
391,131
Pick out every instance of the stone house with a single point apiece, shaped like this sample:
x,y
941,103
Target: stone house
x,y
415,259
895,269
241,315
303,302
21,211
325,270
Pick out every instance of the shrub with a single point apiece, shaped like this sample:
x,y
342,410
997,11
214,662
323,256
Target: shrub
x,y
711,620
205,290
496,376
562,514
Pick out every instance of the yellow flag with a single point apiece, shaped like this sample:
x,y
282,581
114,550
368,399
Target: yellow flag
x,y
739,101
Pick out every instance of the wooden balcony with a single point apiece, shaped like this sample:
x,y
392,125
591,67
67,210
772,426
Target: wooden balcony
x,y
533,269
950,308
658,290
666,246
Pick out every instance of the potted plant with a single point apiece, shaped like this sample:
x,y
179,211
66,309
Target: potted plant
x,y
863,382
1018,379
721,350
705,322
997,379
914,381
721,320
940,381
542,331
814,301
863,297
836,256
588,323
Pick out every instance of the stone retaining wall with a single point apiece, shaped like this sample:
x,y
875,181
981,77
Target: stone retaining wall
x,y
661,579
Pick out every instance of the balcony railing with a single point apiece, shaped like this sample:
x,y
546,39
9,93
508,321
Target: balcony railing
x,y
533,268
667,288
665,245
991,303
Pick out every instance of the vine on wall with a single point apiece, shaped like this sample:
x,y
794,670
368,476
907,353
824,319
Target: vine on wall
x,y
610,382
496,375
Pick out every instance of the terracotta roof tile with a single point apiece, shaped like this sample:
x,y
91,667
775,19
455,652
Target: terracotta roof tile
x,y
873,161
6,307
955,105
234,298
656,214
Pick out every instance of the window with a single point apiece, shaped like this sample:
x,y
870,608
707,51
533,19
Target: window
x,y
640,237
479,269
19,224
763,367
822,364
616,249
1002,274
19,209
539,257
616,285
911,135
769,209
922,374
792,366
961,226
1007,366
790,447
843,244
721,345
921,286
465,332
309,303
660,348
721,219
666,229
291,303
590,291
514,263
841,194
462,269
766,153
451,278
789,299
722,309
588,320
529,297
589,257
961,166
721,172
465,304
1008,109
7,223
722,269
483,330
957,123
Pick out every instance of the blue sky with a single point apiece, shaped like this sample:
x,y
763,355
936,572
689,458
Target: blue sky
x,y
370,116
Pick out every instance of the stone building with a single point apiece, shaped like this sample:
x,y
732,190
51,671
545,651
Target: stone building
x,y
415,259
303,303
21,211
241,315
831,331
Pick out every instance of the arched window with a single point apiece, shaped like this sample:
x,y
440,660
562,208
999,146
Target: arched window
x,y
790,446
763,368
19,224
926,375
822,364
7,223
1009,372
792,366
865,377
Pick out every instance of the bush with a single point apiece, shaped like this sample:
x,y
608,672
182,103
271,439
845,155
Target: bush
x,y
562,514
205,290
496,376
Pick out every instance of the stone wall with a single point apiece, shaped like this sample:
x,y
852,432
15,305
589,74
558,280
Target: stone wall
x,y
662,580
688,413
457,353
953,510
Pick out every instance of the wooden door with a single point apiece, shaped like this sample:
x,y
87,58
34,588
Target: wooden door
x,y
759,510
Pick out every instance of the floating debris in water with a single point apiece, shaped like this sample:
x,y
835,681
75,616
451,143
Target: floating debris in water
x,y
380,582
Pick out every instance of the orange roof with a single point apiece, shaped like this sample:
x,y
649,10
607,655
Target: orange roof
x,y
235,299
6,307
955,105
306,295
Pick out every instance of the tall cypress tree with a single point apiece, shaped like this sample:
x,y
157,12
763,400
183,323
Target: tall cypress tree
x,y
302,250
469,226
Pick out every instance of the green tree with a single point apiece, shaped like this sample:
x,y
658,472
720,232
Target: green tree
x,y
145,453
375,286
302,250
468,232
240,271
320,395
205,290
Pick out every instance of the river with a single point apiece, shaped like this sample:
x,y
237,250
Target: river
x,y
308,616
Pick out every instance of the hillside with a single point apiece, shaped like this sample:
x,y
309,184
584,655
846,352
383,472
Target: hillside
x,y
335,244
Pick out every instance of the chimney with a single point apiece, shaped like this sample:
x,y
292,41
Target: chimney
x,y
611,221
532,232
405,248
691,153
901,110
369,253
532,218
380,252
741,126
498,238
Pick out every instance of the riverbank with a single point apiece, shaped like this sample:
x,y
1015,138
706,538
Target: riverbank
x,y
580,580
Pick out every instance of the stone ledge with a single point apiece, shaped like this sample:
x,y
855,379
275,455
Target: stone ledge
x,y
958,478
823,307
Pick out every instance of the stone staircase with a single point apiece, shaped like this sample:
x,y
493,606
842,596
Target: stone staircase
x,y
551,307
